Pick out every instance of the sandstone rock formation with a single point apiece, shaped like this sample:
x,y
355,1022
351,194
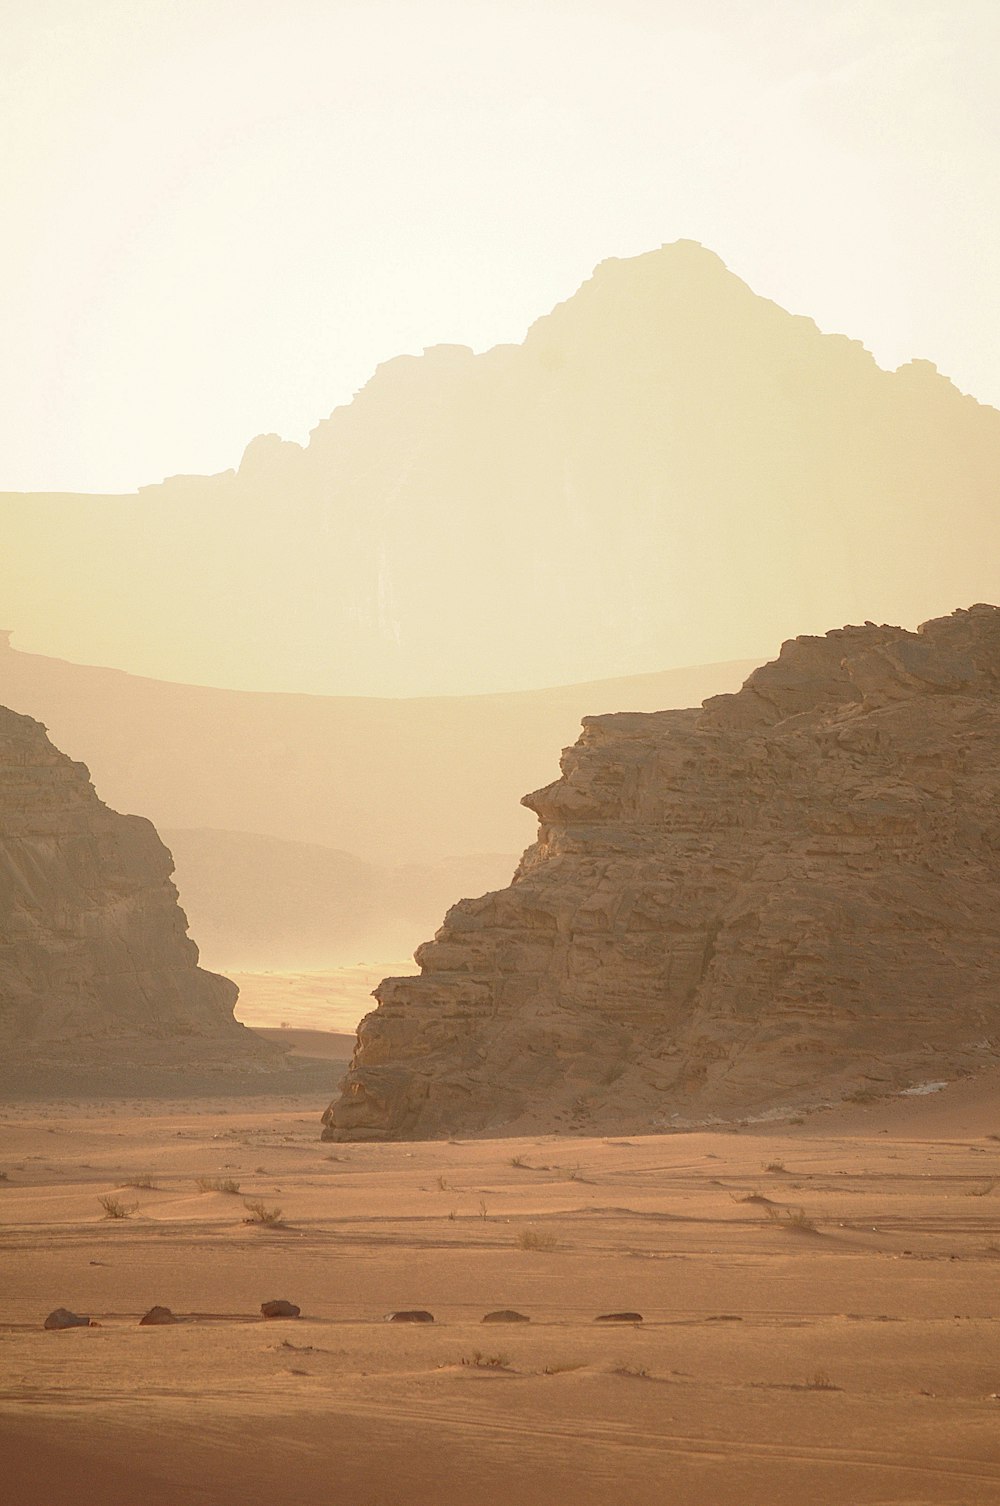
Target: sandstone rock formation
x,y
94,950
788,894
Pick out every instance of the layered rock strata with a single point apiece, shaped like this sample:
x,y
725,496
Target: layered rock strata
x,y
789,894
94,948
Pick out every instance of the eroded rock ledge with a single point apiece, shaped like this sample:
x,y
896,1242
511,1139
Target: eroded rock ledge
x,y
788,894
94,950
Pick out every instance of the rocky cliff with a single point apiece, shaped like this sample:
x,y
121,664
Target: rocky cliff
x,y
787,895
94,951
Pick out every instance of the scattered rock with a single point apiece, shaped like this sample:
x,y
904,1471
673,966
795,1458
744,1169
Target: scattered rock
x,y
505,1315
619,1318
279,1309
157,1315
414,1315
63,1318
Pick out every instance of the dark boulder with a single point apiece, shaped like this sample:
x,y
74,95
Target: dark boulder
x,y
619,1318
63,1318
413,1315
279,1309
505,1315
157,1315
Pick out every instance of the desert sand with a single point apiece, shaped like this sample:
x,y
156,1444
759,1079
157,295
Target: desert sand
x,y
844,1354
322,999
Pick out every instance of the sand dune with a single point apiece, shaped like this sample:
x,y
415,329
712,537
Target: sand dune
x,y
852,1361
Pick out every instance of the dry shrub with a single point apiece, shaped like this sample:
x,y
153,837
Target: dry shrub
x,y
480,1361
217,1184
115,1208
537,1239
261,1215
790,1218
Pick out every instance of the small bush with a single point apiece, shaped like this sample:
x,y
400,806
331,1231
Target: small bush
x,y
820,1381
115,1208
520,1162
790,1218
479,1361
142,1179
537,1239
217,1184
774,1166
261,1215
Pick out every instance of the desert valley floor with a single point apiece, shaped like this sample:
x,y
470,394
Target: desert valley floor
x,y
820,1303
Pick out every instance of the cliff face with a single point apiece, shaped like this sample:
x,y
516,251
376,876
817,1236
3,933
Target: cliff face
x,y
789,894
93,944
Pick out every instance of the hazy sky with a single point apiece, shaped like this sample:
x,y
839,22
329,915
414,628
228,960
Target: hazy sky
x,y
219,215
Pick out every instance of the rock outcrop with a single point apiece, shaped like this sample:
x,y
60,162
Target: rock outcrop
x,y
94,950
789,894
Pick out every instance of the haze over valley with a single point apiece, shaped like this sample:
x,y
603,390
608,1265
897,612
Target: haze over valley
x,y
499,753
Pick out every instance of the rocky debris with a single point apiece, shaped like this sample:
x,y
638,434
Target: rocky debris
x,y
735,910
156,1316
619,1318
279,1309
61,1317
412,1315
505,1315
93,943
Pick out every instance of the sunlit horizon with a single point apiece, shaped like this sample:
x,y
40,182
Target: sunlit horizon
x,y
221,220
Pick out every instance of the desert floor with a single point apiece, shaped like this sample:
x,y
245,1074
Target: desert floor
x,y
334,999
849,1354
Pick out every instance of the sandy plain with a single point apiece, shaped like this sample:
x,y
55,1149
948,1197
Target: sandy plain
x,y
318,999
850,1354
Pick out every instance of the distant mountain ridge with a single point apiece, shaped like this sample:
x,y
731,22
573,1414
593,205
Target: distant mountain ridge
x,y
311,830
667,470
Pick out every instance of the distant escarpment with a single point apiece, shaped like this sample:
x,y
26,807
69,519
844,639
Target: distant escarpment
x,y
94,951
788,895
648,479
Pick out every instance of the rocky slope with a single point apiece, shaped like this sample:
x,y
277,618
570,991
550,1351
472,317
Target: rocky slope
x,y
647,480
790,893
94,951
